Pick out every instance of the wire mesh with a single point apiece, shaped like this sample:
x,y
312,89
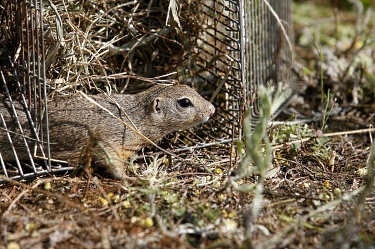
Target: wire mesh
x,y
217,75
23,92
244,44
241,45
266,39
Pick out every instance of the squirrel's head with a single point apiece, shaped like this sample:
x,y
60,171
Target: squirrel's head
x,y
178,107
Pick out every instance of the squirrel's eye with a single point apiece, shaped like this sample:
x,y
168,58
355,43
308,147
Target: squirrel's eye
x,y
185,102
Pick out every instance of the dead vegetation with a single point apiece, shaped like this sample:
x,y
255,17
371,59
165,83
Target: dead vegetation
x,y
320,195
109,45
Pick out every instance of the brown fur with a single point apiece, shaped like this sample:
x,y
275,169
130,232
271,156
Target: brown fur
x,y
76,125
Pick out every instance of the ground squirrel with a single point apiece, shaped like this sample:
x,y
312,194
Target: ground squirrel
x,y
76,123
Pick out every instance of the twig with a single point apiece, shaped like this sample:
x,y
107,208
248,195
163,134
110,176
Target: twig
x,y
333,134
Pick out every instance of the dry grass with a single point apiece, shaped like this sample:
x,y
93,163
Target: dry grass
x,y
109,45
187,207
317,198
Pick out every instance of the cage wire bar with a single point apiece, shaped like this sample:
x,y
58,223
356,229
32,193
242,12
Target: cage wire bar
x,y
241,46
23,91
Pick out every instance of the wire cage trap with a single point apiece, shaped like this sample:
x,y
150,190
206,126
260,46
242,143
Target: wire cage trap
x,y
239,45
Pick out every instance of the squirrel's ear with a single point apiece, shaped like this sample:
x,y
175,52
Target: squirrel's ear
x,y
155,105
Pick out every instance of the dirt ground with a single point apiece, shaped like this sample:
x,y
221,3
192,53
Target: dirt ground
x,y
318,195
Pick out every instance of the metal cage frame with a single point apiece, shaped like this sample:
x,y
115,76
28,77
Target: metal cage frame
x,y
243,45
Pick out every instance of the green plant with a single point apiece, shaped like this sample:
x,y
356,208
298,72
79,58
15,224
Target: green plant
x,y
325,97
258,156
